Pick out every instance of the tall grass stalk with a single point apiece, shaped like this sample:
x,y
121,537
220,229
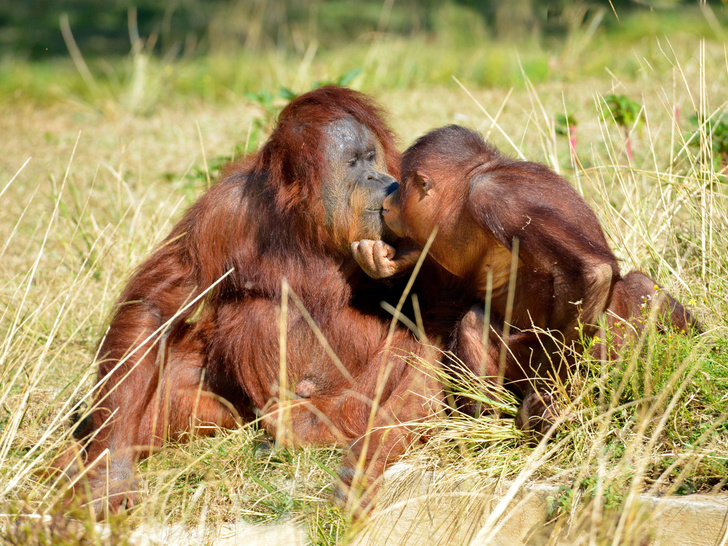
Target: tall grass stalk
x,y
105,182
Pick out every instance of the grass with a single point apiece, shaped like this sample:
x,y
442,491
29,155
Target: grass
x,y
93,175
452,40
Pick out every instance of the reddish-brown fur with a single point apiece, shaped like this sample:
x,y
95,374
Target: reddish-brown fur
x,y
485,207
636,300
482,205
167,367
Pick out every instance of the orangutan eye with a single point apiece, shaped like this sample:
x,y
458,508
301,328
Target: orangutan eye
x,y
371,156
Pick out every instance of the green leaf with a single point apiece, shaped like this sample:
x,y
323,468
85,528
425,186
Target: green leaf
x,y
347,77
286,93
624,110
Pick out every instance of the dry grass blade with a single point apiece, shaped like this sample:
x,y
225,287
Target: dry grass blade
x,y
79,215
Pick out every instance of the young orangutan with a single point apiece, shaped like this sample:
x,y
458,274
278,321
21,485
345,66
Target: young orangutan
x,y
486,208
499,219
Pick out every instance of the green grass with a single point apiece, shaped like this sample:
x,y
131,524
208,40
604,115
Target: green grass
x,y
93,175
392,53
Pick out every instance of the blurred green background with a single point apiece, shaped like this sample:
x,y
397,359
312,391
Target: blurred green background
x,y
194,27
222,48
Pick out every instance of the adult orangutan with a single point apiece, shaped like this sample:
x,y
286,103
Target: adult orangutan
x,y
198,338
518,234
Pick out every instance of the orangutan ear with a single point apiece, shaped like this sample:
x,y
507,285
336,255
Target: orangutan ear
x,y
423,182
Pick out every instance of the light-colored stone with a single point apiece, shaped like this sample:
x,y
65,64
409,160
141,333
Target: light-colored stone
x,y
242,533
422,508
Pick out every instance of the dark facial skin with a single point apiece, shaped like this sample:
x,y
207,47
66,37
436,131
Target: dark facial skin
x,y
357,182
392,215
